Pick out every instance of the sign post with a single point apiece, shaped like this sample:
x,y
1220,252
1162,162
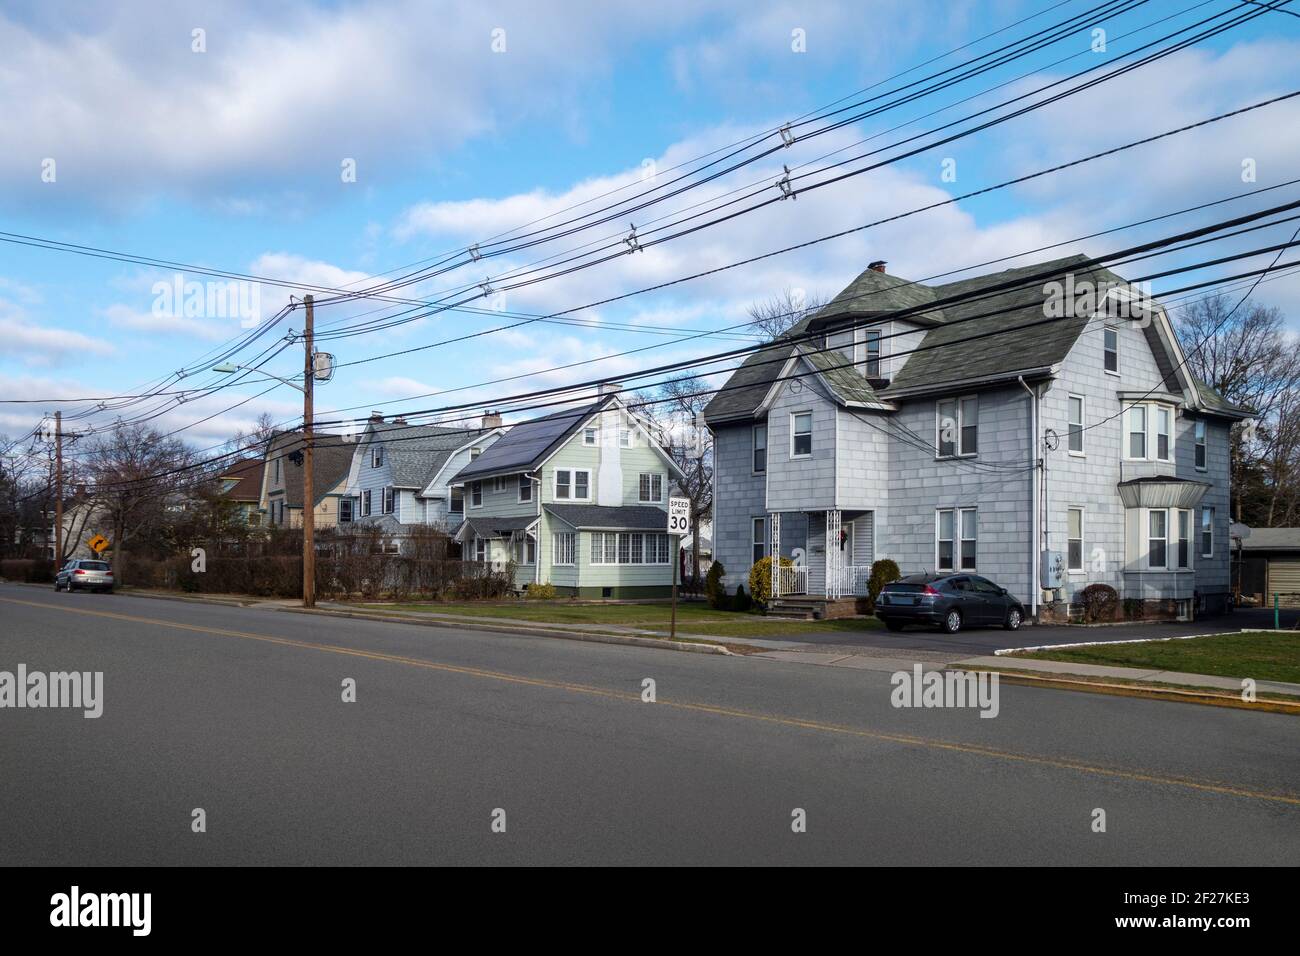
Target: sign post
x,y
679,520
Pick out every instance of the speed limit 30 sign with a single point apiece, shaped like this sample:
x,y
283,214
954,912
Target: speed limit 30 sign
x,y
679,515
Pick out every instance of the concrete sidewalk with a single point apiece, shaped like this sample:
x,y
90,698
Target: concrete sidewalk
x,y
1140,674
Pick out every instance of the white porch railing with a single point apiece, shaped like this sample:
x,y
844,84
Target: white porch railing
x,y
851,581
794,580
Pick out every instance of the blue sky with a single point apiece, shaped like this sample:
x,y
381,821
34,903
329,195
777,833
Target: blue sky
x,y
232,157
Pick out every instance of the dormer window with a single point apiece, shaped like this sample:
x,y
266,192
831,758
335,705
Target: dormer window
x,y
866,352
377,456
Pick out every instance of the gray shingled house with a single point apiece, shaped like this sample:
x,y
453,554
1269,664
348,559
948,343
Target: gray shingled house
x,y
1038,427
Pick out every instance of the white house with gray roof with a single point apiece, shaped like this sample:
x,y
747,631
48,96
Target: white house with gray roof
x,y
1006,426
577,499
400,473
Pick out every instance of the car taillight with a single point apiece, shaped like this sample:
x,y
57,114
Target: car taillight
x,y
930,590
78,571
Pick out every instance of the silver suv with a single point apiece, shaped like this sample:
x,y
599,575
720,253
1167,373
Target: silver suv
x,y
80,575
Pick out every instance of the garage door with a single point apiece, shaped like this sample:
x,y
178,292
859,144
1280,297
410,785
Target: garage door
x,y
1284,578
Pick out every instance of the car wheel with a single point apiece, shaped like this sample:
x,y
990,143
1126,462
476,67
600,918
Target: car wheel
x,y
895,625
1012,623
952,622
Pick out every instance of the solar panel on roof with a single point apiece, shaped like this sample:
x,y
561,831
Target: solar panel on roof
x,y
524,443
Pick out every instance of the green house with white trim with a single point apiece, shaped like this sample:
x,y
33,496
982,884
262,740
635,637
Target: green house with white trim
x,y
577,499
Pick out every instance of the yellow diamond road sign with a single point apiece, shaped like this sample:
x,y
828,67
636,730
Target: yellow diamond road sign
x,y
98,543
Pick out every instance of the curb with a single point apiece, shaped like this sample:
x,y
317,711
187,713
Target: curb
x,y
1184,695
594,638
1012,651
223,602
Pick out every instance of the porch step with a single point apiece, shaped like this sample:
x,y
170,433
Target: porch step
x,y
801,608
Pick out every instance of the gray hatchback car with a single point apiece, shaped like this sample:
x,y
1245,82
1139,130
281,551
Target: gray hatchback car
x,y
84,575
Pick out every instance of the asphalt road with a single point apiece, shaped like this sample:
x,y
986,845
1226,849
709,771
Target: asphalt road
x,y
239,712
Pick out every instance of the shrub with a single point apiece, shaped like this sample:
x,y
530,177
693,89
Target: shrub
x,y
541,592
1099,603
713,589
883,572
760,579
32,570
741,602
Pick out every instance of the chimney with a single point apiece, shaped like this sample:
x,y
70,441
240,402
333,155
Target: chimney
x,y
877,266
609,388
376,416
491,419
399,420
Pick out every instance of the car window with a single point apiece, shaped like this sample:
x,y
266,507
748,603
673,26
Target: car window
x,y
957,584
95,565
985,585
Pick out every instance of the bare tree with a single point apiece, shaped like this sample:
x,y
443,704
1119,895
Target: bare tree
x,y
676,408
133,471
257,438
775,315
1249,357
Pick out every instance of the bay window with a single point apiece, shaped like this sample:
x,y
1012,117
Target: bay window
x,y
1157,539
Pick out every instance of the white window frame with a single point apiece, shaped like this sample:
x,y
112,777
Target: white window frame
x,y
451,496
389,500
1079,428
500,483
481,552
958,539
1108,330
757,539
351,511
1184,538
1201,440
863,353
1149,537
959,419
650,478
1204,531
754,449
626,433
794,416
564,545
590,436
572,483
1151,434
525,550
1082,538
525,483
366,503
376,456
475,494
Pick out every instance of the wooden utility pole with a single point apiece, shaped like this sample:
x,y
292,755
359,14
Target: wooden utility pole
x,y
308,485
58,489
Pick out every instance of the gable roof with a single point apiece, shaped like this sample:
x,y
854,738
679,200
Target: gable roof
x,y
840,376
875,292
1271,539
248,475
528,444
414,453
331,459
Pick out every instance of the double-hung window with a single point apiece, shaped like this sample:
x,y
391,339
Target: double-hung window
x,y
957,532
1157,538
1074,540
957,427
1164,418
866,352
456,501
345,511
500,483
1184,539
589,437
476,494
801,439
1110,349
389,501
564,548
1137,431
376,456
572,484
1076,403
1207,532
365,502
651,487
758,539
1201,448
760,448
525,488
480,550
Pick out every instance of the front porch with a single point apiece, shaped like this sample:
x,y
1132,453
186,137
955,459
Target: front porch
x,y
831,568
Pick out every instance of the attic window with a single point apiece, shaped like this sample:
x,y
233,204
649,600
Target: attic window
x,y
1110,347
866,352
377,456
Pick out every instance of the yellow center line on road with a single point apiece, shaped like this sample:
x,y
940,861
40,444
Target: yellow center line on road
x,y
1058,763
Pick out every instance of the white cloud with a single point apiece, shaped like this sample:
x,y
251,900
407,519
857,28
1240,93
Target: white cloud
x,y
39,345
212,330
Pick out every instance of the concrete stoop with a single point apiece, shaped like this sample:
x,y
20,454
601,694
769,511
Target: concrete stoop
x,y
806,608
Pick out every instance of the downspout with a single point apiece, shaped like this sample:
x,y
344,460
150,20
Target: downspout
x,y
537,556
1034,589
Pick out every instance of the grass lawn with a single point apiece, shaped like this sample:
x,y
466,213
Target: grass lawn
x,y
691,618
1262,655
